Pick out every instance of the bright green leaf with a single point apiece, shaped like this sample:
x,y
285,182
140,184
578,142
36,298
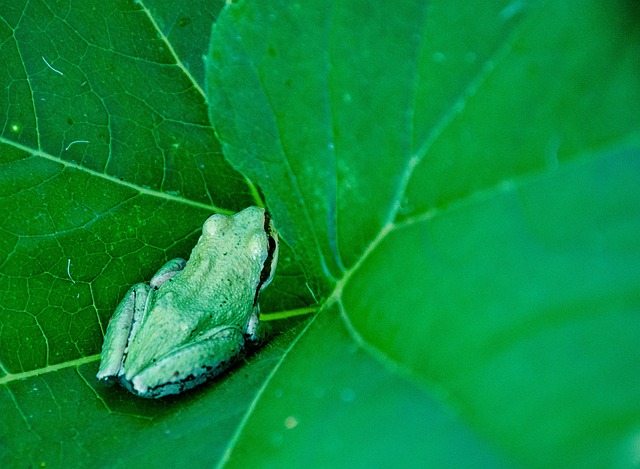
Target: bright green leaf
x,y
469,174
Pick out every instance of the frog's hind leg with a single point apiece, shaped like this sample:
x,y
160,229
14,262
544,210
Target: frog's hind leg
x,y
126,321
190,365
122,326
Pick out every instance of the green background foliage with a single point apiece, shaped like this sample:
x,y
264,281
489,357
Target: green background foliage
x,y
457,187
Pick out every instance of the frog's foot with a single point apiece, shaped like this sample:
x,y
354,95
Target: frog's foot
x,y
189,365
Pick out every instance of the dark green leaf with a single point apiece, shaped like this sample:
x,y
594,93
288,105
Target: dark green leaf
x,y
108,167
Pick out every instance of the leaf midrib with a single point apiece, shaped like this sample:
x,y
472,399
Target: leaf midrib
x,y
10,377
115,180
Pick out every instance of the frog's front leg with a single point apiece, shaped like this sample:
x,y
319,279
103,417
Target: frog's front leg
x,y
256,331
214,352
167,272
127,318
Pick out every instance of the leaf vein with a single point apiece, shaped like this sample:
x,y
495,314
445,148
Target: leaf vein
x,y
287,164
243,423
172,50
456,108
118,181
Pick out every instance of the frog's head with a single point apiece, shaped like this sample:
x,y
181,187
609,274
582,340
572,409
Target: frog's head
x,y
252,230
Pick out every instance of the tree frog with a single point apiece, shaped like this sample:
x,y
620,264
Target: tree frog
x,y
195,317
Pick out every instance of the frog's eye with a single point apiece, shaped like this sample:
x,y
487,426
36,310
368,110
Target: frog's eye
x,y
256,246
215,224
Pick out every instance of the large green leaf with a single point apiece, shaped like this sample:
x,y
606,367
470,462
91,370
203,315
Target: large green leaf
x,y
456,183
469,173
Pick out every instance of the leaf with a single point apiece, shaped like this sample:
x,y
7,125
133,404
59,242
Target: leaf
x,y
469,176
108,167
456,183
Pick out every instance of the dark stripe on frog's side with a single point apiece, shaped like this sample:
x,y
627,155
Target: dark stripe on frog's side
x,y
271,249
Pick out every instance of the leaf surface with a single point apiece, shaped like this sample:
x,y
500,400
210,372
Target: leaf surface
x,y
108,168
479,172
456,184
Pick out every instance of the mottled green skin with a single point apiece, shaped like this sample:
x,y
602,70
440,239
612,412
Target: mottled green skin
x,y
193,320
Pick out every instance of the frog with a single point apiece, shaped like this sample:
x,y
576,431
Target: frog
x,y
195,318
